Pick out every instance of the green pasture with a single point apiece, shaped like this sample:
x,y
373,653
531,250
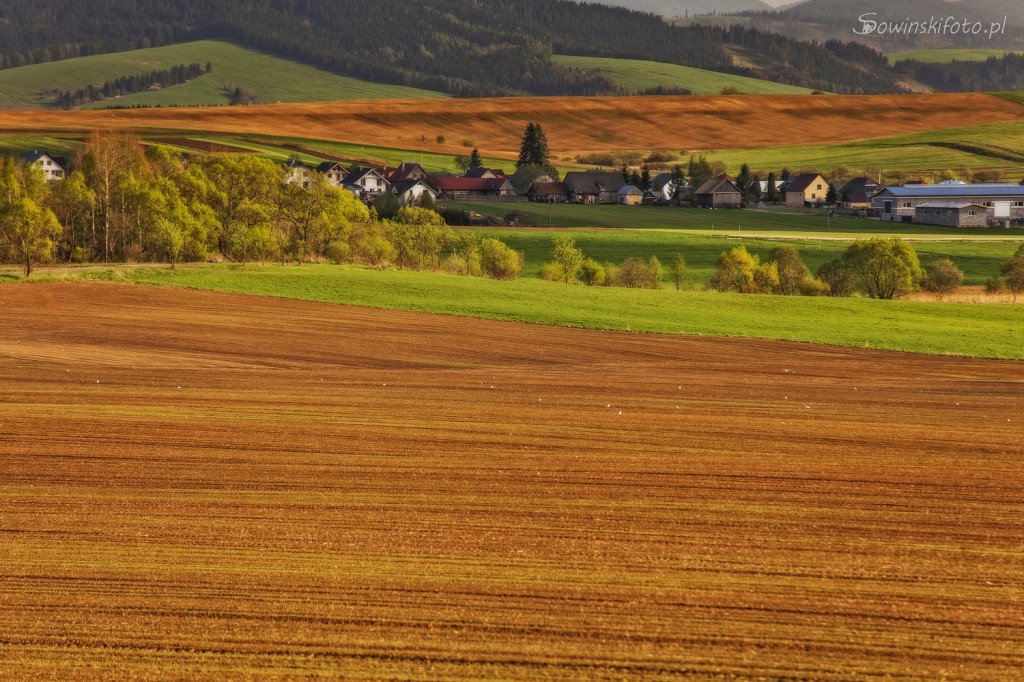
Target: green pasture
x,y
988,145
995,331
637,75
273,78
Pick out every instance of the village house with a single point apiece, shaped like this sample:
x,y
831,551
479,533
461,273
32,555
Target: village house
x,y
550,191
366,183
1003,202
484,173
856,193
720,192
407,170
593,187
410,192
53,167
806,189
663,188
298,173
333,171
474,188
629,195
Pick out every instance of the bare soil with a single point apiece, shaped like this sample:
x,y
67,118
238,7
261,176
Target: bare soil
x,y
206,486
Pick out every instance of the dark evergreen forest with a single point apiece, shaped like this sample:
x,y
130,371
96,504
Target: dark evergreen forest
x,y
462,47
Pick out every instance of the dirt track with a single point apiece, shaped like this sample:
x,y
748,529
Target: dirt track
x,y
572,124
203,485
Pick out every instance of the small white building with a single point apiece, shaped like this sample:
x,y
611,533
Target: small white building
x,y
410,192
53,167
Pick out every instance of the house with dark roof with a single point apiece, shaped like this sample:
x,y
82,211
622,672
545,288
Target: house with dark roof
x,y
806,189
1003,201
366,183
593,187
407,170
410,192
474,188
720,192
663,188
554,192
856,193
333,171
53,167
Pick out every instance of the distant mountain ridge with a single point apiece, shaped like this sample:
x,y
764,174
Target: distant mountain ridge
x,y
680,8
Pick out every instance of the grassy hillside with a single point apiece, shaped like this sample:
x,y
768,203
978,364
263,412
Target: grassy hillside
x,y
274,79
637,75
944,56
942,328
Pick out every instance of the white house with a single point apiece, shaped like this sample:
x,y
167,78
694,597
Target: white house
x,y
52,166
410,192
366,182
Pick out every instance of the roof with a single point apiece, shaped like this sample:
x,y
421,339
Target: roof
x,y
856,196
801,181
989,189
549,188
659,181
854,184
629,189
358,173
295,163
403,186
484,173
949,204
593,182
403,170
328,166
32,157
723,184
470,184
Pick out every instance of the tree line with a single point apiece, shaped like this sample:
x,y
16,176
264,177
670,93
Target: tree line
x,y
125,204
129,85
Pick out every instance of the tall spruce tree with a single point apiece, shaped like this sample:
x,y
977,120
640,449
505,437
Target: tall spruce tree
x,y
474,159
534,147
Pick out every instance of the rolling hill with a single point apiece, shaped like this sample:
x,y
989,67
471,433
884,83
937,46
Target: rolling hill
x,y
946,56
274,79
637,75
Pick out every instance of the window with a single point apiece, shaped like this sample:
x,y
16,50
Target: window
x,y
819,187
906,204
1018,203
972,213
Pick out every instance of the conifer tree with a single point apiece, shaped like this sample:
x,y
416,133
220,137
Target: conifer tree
x,y
534,147
474,159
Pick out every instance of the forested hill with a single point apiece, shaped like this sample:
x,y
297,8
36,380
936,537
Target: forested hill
x,y
462,47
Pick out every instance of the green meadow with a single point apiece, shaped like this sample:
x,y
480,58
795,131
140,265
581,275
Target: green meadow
x,y
273,78
637,75
995,331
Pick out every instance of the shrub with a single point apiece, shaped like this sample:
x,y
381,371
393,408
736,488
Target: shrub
x,y
611,274
592,273
441,139
942,277
636,274
597,159
566,258
836,278
466,142
549,272
995,285
739,271
677,268
729,91
337,252
660,157
791,269
499,261
1013,274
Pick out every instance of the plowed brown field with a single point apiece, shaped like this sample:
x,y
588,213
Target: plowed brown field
x,y
209,486
572,124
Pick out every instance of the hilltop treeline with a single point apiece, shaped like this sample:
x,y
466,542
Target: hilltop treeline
x,y
462,47
128,85
995,74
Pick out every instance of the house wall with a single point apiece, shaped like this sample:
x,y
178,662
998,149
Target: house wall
x,y
726,200
952,217
630,199
814,194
